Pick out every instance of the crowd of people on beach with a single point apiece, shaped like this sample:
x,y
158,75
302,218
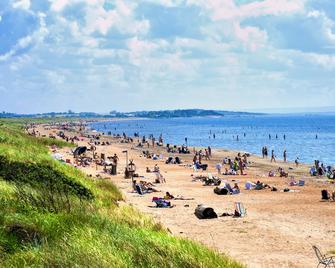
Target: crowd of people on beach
x,y
227,167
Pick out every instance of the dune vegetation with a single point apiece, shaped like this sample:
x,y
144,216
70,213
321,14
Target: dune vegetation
x,y
52,215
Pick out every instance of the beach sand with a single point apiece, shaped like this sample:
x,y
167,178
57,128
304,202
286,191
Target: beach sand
x,y
279,229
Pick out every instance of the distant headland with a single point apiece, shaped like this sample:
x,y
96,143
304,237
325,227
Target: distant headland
x,y
139,114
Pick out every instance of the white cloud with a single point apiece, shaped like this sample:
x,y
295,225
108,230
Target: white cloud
x,y
327,23
227,9
122,18
59,5
36,37
23,4
252,37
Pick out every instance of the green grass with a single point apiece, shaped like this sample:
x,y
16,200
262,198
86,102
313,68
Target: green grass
x,y
52,215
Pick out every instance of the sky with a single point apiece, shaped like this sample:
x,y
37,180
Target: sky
x,y
104,55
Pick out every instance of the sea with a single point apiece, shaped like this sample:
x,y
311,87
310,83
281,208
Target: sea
x,y
306,137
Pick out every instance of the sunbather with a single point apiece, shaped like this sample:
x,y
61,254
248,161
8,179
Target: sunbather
x,y
261,186
236,189
159,178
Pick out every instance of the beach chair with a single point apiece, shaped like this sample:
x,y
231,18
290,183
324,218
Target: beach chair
x,y
240,211
139,189
323,259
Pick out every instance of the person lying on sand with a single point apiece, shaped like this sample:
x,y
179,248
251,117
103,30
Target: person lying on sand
x,y
146,187
261,186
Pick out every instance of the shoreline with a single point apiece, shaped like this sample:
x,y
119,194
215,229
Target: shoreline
x,y
197,147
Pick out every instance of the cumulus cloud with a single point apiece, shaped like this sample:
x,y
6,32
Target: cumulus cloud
x,y
111,48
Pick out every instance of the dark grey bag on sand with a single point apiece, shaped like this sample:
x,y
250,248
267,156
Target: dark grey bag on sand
x,y
203,212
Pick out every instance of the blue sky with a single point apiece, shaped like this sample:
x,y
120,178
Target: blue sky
x,y
103,55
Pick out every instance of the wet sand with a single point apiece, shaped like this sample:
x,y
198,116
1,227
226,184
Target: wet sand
x,y
279,229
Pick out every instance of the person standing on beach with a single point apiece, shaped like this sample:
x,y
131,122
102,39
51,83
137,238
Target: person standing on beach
x,y
115,160
195,159
266,151
269,136
263,152
284,137
240,165
186,141
297,162
285,156
209,151
273,157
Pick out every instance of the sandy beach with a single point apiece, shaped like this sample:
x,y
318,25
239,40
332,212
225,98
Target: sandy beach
x,y
279,229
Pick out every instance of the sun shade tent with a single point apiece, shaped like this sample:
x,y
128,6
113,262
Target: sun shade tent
x,y
79,150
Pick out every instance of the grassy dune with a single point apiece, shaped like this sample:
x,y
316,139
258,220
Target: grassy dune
x,y
52,215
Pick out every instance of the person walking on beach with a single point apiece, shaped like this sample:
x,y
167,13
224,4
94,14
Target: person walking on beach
x,y
186,141
285,156
209,151
263,152
207,155
266,151
273,157
297,162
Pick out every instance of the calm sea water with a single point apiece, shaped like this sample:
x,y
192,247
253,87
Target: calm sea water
x,y
253,132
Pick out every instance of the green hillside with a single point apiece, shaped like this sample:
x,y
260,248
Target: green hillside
x,y
52,215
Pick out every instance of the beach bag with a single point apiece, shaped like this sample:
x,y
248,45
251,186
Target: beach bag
x,y
221,191
203,212
325,195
